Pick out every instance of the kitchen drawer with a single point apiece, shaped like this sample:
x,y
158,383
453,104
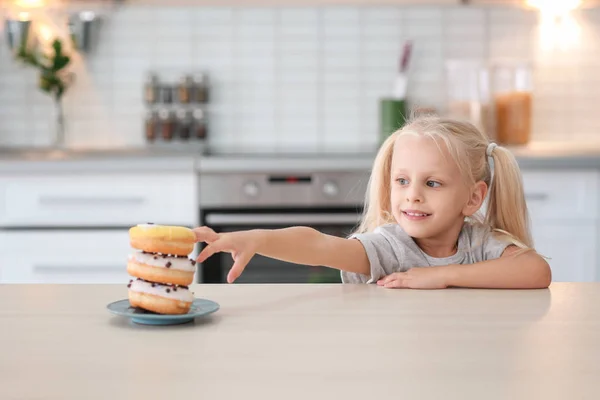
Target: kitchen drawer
x,y
57,256
571,249
561,195
103,200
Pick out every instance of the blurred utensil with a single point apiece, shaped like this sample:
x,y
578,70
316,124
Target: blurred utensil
x,y
401,81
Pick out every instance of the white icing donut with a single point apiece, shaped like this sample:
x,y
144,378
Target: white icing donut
x,y
157,260
174,292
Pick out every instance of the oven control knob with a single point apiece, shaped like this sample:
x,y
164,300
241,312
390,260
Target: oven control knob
x,y
331,189
251,189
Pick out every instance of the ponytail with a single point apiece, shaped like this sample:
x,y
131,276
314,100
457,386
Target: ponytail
x,y
377,210
507,211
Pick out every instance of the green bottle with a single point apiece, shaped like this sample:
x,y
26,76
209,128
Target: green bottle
x,y
392,116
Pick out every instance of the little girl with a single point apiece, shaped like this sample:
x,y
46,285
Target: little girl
x,y
429,181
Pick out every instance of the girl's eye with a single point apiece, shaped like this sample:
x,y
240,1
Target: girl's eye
x,y
433,184
402,181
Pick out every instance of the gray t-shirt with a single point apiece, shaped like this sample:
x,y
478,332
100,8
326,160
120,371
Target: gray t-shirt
x,y
390,250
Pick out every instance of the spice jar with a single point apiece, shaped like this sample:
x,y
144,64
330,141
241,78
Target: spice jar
x,y
512,87
199,124
166,94
184,90
151,88
167,122
150,125
184,123
200,88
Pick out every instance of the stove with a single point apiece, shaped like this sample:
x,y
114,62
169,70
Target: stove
x,y
240,192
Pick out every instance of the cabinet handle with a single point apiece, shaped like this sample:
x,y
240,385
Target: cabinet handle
x,y
65,269
57,201
536,196
282,219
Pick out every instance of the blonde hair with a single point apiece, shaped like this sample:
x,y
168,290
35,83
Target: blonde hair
x,y
506,211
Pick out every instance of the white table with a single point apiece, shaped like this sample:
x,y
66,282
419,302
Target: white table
x,y
295,341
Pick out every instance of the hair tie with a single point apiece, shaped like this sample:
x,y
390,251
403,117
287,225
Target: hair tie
x,y
490,148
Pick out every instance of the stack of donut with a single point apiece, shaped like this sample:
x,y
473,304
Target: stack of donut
x,y
162,268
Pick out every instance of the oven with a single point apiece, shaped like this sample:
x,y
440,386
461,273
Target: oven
x,y
330,202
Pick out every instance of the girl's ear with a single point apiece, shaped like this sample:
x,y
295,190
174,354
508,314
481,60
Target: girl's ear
x,y
476,198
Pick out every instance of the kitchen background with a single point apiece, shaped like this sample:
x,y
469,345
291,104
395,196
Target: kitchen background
x,y
287,88
301,79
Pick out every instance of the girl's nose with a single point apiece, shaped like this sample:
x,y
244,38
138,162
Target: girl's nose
x,y
413,194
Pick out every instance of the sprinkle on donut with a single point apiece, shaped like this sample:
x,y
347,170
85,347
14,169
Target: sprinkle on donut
x,y
166,285
161,259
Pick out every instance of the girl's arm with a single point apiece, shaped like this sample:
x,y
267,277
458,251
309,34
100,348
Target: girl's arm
x,y
515,269
300,245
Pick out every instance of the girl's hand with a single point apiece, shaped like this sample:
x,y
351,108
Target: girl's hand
x,y
242,246
417,278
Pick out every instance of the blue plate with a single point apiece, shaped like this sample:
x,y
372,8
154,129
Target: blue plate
x,y
199,308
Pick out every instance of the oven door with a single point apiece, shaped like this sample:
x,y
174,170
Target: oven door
x,y
338,222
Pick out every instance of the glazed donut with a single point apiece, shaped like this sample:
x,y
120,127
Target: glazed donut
x,y
161,268
159,298
176,240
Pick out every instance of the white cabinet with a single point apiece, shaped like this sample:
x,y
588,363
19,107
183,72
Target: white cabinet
x,y
96,199
563,206
559,195
571,249
73,228
58,256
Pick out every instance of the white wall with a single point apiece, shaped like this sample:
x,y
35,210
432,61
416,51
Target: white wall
x,y
302,79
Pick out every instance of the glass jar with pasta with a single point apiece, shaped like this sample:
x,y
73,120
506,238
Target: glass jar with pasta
x,y
512,85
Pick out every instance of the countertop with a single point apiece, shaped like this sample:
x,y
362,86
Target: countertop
x,y
101,160
295,341
536,155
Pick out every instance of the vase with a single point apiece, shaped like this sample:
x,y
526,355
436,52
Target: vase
x,y
59,134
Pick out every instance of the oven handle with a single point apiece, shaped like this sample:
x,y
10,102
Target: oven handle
x,y
282,219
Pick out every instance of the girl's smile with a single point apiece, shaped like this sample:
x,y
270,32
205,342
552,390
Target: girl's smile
x,y
415,215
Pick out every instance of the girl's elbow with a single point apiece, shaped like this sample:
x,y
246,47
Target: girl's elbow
x,y
543,274
547,274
